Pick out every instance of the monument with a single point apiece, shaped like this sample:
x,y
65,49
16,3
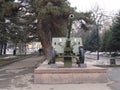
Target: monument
x,y
67,65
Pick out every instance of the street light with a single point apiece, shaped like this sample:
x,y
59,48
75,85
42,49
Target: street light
x,y
98,42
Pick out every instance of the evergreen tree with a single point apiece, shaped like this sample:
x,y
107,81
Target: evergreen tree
x,y
115,40
8,11
106,41
52,18
91,41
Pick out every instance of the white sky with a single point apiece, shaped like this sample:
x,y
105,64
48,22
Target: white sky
x,y
110,6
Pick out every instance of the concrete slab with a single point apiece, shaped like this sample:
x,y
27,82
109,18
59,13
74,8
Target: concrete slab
x,y
44,74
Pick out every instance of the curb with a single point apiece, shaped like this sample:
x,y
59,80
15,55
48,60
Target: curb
x,y
107,66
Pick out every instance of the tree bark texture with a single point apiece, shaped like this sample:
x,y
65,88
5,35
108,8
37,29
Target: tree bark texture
x,y
45,39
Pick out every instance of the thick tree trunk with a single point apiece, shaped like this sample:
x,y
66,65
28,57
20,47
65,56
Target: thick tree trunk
x,y
45,38
1,48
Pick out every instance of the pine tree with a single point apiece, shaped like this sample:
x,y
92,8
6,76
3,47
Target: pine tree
x,y
91,41
115,40
52,17
106,41
8,9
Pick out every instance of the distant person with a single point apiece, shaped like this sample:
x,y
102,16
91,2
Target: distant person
x,y
40,50
14,51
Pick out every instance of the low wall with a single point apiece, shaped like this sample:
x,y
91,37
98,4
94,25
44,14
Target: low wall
x,y
44,74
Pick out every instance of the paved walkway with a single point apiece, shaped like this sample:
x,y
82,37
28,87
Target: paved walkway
x,y
19,76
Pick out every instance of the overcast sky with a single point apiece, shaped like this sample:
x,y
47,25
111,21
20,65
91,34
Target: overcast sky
x,y
106,5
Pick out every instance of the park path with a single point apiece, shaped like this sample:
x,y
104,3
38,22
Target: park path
x,y
19,76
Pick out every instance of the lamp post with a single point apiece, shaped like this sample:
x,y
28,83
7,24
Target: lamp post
x,y
97,41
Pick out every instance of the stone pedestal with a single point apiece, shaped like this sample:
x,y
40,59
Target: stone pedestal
x,y
44,74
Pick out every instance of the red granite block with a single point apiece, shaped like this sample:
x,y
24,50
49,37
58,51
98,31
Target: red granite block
x,y
69,75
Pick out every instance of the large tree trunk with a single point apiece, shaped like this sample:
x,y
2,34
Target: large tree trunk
x,y
1,48
45,38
